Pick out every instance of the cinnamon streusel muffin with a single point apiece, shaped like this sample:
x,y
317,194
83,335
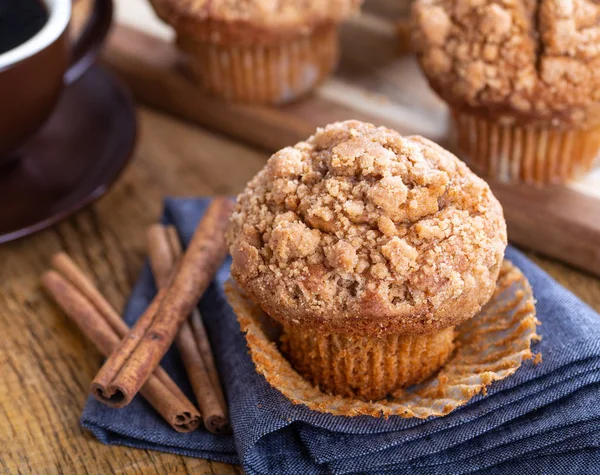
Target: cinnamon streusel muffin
x,y
368,248
257,51
522,78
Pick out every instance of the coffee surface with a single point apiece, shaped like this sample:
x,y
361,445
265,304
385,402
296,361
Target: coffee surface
x,y
20,20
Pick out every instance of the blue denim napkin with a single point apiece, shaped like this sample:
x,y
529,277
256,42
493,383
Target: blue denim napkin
x,y
544,419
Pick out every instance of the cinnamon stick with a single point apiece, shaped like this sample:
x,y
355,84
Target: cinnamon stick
x,y
71,271
165,251
198,328
160,390
130,365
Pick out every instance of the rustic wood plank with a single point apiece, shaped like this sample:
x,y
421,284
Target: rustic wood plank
x,y
152,68
45,363
394,10
559,220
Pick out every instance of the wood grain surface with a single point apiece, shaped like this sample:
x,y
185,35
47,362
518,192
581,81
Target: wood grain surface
x,y
46,366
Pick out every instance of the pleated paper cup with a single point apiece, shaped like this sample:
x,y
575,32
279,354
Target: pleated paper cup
x,y
520,154
365,367
489,347
272,73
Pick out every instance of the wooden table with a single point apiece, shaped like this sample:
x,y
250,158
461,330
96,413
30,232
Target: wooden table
x,y
45,364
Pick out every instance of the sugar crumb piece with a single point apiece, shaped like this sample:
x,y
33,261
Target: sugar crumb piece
x,y
342,255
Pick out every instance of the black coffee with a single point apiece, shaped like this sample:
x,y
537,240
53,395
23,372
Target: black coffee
x,y
19,21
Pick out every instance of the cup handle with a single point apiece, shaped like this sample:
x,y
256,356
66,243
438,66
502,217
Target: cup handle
x,y
86,47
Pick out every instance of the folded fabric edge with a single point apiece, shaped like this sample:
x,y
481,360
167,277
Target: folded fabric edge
x,y
574,383
105,436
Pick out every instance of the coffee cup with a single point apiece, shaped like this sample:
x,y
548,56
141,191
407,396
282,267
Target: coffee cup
x,y
33,73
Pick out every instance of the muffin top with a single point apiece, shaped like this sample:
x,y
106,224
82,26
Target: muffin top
x,y
524,61
359,230
251,20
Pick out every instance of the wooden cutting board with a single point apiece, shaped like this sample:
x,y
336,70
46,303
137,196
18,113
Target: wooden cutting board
x,y
374,83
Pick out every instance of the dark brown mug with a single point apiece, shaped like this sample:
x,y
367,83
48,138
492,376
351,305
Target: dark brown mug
x,y
33,74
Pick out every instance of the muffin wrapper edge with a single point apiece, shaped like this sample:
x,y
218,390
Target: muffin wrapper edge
x,y
365,367
274,73
519,154
489,347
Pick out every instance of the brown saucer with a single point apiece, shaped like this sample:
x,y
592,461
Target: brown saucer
x,y
72,160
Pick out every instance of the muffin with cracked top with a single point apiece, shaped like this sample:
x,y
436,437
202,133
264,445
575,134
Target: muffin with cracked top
x,y
258,51
368,248
522,78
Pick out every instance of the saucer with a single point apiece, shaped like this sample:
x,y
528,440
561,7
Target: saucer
x,y
73,159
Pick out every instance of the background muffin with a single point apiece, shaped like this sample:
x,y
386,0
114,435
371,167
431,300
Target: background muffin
x,y
257,51
522,79
368,247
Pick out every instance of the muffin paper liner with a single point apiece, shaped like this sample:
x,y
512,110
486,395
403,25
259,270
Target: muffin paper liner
x,y
365,367
489,347
263,73
515,154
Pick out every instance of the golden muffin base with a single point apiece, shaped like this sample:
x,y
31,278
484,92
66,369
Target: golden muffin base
x,y
273,73
365,367
489,347
519,154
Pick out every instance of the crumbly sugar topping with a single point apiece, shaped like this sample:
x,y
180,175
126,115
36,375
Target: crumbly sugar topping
x,y
524,59
360,229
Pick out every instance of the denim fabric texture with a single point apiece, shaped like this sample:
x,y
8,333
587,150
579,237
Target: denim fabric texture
x,y
544,419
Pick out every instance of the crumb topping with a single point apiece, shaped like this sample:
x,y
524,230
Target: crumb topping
x,y
361,229
524,60
286,16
